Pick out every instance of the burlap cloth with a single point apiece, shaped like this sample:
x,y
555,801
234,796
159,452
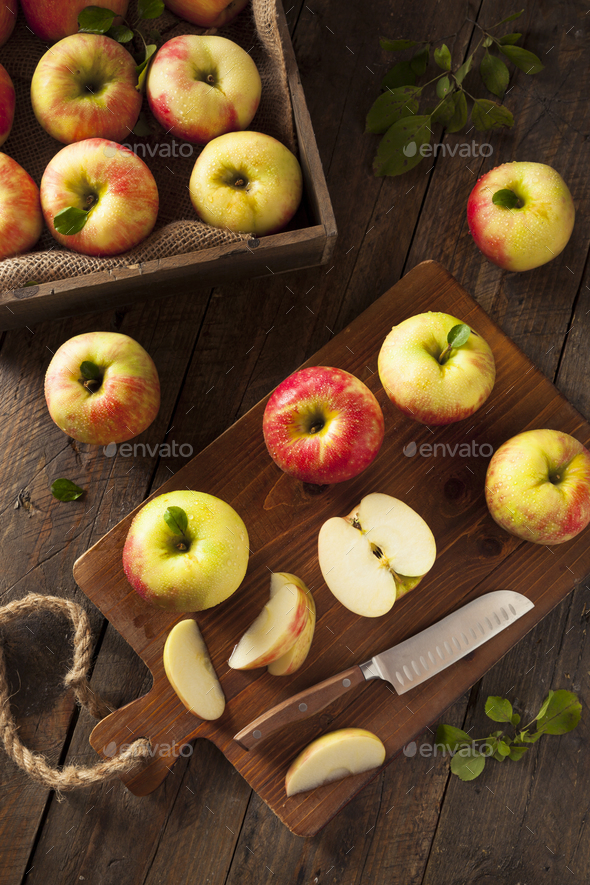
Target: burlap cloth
x,y
177,229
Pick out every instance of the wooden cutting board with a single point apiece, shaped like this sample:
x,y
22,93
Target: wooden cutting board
x,y
283,520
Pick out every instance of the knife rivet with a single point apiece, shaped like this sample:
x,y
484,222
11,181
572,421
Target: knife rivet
x,y
346,683
303,707
257,734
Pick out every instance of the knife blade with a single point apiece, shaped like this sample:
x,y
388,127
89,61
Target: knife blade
x,y
405,665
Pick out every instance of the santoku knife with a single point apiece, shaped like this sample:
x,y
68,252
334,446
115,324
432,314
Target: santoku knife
x,y
405,665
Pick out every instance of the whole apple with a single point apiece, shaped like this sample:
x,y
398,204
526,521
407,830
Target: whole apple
x,y
428,379
538,486
84,87
199,87
7,102
21,219
323,425
8,12
521,215
112,190
186,551
53,20
247,182
102,387
206,13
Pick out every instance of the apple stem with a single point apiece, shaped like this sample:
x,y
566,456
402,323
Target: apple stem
x,y
91,384
445,354
182,546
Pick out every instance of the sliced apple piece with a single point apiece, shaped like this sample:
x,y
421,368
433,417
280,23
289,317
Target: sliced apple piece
x,y
275,630
375,554
334,756
190,671
296,655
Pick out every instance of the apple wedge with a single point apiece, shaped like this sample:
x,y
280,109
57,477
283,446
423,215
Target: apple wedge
x,y
334,756
190,671
377,553
275,630
296,655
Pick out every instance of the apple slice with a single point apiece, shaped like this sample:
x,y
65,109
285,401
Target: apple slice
x,y
296,655
367,557
275,630
334,756
190,671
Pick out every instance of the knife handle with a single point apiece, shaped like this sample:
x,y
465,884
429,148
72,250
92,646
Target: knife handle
x,y
300,706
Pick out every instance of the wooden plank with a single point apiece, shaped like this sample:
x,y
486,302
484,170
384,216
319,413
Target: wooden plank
x,y
237,468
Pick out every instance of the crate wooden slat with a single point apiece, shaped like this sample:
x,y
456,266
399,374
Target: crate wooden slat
x,y
278,253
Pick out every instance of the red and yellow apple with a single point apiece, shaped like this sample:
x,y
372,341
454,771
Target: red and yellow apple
x,y
109,183
377,553
323,425
521,215
199,87
102,387
190,672
21,219
206,13
8,13
429,380
538,486
332,757
84,87
295,656
53,20
7,102
186,551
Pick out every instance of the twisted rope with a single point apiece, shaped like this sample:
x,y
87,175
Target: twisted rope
x,y
35,764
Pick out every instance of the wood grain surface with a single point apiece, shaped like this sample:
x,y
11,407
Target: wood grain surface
x,y
283,519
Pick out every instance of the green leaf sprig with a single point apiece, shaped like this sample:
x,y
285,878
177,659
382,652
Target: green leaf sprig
x,y
177,521
66,490
559,713
457,337
400,148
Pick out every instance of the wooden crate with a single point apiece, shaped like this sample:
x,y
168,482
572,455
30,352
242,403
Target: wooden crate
x,y
290,250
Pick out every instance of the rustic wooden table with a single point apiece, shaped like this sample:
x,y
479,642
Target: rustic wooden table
x,y
218,352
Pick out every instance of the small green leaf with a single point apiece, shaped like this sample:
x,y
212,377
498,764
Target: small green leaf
x,y
515,719
150,8
442,57
544,706
562,714
142,68
443,86
95,20
487,42
392,106
517,753
120,33
396,45
509,39
506,198
494,74
70,221
462,72
509,18
522,736
399,149
498,756
445,110
457,337
400,74
419,61
522,58
451,737
503,748
468,763
66,490
90,371
490,115
498,709
176,520
142,127
459,117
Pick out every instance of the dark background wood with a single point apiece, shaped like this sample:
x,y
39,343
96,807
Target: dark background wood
x,y
219,350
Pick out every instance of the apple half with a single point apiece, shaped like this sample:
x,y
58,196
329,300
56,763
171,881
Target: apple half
x,y
294,658
190,672
376,554
276,629
334,756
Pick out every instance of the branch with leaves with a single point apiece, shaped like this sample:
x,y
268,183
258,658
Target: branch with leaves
x,y
395,112
559,713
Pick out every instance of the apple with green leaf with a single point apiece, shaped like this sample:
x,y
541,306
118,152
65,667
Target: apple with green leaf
x,y
521,215
538,486
186,551
53,20
206,13
436,369
102,387
332,757
21,219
